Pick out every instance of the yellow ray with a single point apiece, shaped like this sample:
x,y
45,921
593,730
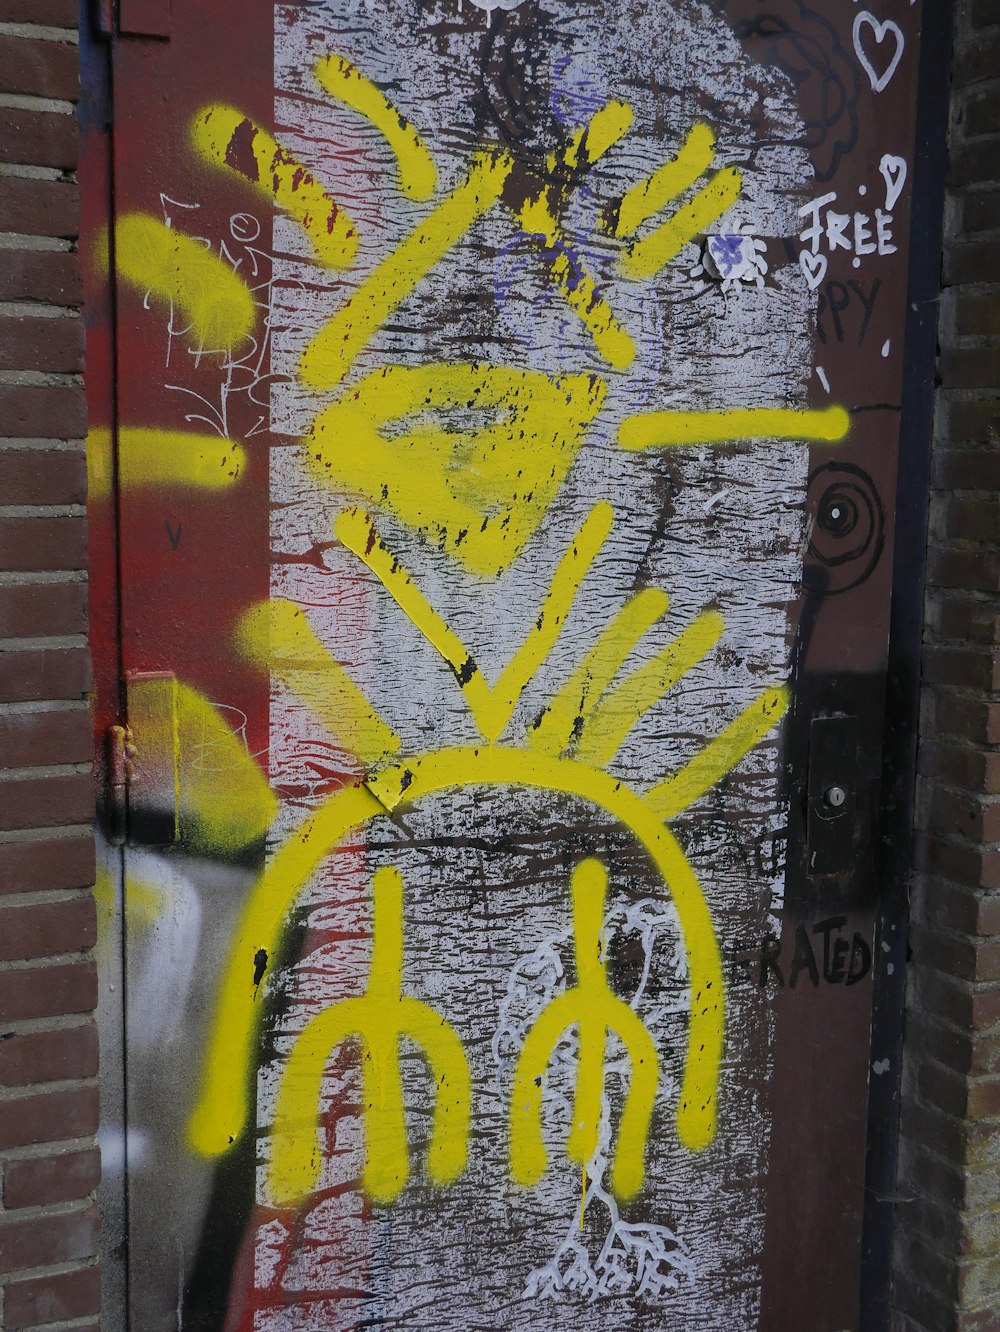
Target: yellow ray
x,y
490,705
667,430
345,82
221,798
564,718
149,458
720,756
646,257
667,182
478,492
575,284
334,349
178,272
618,711
221,1114
277,634
227,138
591,141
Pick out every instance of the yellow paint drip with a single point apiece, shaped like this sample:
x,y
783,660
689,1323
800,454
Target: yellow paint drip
x,y
277,634
565,717
178,272
149,458
378,1021
490,705
617,712
345,82
478,491
667,182
646,257
334,349
721,755
592,1007
227,138
663,430
221,1114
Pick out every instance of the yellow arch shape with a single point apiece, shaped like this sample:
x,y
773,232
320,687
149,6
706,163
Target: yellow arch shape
x,y
220,1115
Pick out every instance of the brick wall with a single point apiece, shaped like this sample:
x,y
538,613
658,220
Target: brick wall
x,y
948,1217
49,1166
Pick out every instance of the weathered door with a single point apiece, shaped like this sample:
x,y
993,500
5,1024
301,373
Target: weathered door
x,y
504,452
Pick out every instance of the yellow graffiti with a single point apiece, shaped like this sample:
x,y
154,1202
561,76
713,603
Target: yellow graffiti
x,y
480,491
221,1113
378,1020
615,714
277,634
177,271
491,705
575,284
646,257
221,799
227,138
661,430
345,82
148,457
668,182
597,1013
720,755
590,142
334,349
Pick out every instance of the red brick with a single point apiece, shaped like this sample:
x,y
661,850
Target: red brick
x,y
39,544
971,865
43,476
973,769
31,738
972,817
925,1125
39,68
52,1298
47,802
44,929
55,863
968,469
31,412
969,519
48,1117
971,420
962,667
66,1177
51,13
39,208
40,275
48,991
975,720
981,114
981,212
39,138
984,1098
964,617
41,610
40,1241
52,345
49,673
48,1056
970,367
969,164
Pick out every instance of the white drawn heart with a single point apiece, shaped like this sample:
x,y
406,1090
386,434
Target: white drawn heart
x,y
814,267
880,31
893,171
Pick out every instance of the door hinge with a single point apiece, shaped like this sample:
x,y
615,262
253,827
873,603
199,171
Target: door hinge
x,y
119,755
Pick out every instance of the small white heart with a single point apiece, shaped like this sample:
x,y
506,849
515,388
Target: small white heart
x,y
814,267
893,171
880,31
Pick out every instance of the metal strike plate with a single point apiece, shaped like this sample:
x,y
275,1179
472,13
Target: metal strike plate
x,y
832,797
153,770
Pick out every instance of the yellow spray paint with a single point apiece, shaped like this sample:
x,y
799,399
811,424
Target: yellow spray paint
x,y
176,271
378,1021
227,138
149,458
490,705
667,182
344,81
662,430
335,348
592,1007
644,258
277,634
479,491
